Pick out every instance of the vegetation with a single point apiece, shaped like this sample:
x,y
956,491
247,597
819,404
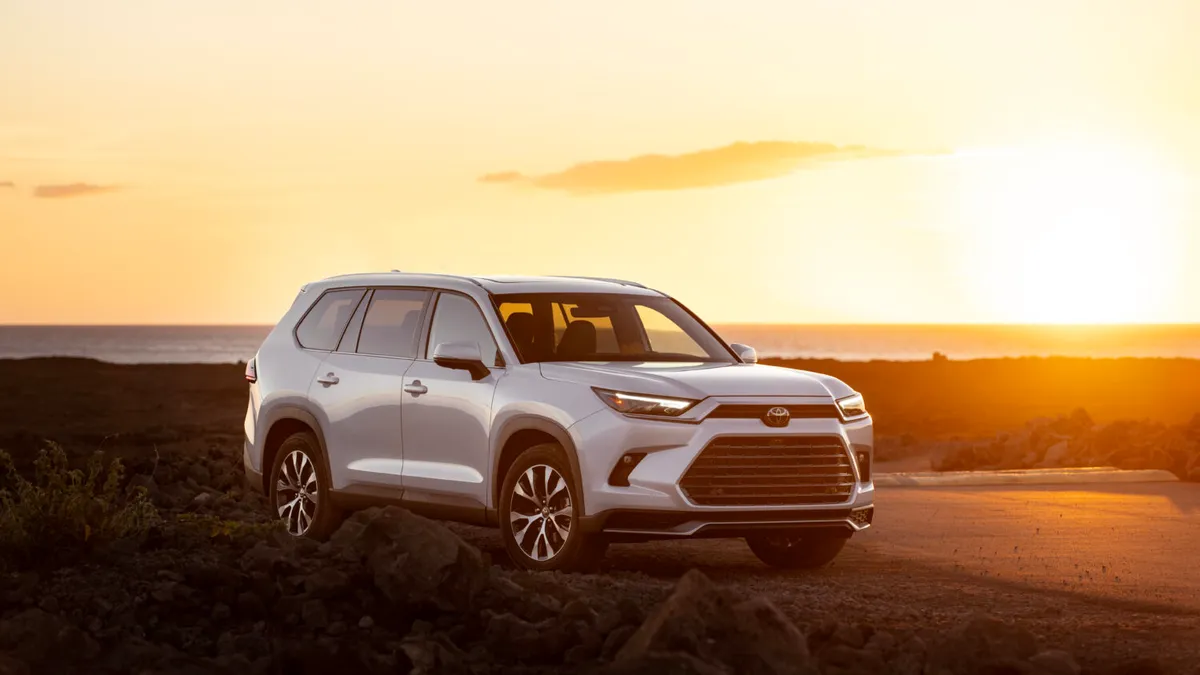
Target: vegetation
x,y
62,512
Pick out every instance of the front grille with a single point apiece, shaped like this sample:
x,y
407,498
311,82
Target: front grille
x,y
744,411
770,470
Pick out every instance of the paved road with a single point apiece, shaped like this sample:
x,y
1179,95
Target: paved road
x,y
1136,543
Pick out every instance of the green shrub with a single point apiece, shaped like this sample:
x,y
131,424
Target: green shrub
x,y
63,513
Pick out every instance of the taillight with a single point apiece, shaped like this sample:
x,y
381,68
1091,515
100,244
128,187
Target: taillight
x,y
251,371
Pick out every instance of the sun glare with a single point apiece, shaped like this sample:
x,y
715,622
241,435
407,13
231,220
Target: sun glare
x,y
1072,236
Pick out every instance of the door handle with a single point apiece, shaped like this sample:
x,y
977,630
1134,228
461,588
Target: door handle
x,y
416,388
328,379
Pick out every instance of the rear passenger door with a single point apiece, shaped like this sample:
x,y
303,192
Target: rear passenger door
x,y
358,390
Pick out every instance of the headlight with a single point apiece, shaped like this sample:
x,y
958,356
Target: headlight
x,y
641,404
852,407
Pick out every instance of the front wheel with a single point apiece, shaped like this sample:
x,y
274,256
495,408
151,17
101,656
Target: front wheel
x,y
801,550
538,517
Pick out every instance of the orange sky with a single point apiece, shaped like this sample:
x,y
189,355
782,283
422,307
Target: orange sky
x,y
925,161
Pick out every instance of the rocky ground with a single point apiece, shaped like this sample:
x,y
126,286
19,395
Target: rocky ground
x,y
213,588
1068,441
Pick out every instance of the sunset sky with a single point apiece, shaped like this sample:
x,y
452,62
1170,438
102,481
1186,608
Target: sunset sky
x,y
840,161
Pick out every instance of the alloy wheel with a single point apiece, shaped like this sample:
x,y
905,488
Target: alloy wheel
x,y
296,492
541,513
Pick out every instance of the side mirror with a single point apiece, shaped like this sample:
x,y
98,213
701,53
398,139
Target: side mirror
x,y
461,356
745,352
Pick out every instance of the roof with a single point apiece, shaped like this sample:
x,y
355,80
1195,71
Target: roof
x,y
499,284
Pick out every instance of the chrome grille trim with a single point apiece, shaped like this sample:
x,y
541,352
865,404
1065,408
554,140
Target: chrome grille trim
x,y
784,470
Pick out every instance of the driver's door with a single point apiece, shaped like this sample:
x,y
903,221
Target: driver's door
x,y
447,414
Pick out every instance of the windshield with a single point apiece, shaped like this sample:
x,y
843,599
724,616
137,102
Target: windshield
x,y
606,327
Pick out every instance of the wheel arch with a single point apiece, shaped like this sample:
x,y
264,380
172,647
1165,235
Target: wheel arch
x,y
285,421
519,433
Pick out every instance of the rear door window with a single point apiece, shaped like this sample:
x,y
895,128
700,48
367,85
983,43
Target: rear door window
x,y
322,326
392,322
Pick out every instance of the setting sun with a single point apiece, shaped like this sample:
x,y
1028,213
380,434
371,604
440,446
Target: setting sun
x,y
1073,235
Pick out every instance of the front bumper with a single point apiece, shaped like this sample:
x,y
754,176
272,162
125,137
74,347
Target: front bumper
x,y
653,505
631,525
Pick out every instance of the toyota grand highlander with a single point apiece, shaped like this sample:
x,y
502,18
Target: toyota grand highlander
x,y
568,412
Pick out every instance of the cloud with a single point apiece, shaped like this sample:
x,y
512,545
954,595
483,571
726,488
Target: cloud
x,y
8,184
736,163
502,177
71,190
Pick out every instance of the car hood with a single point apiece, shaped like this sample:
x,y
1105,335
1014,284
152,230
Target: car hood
x,y
698,380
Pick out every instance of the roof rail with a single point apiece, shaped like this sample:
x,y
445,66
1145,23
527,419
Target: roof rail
x,y
451,276
610,280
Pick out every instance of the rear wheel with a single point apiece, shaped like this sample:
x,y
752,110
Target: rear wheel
x,y
299,488
538,516
798,550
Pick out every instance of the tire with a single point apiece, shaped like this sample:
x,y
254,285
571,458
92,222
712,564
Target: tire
x,y
311,512
800,550
535,541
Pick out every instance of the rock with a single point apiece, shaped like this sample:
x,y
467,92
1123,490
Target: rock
x,y
616,640
10,665
336,628
1055,662
366,622
508,634
326,583
220,612
578,610
146,483
268,559
1193,475
882,642
850,636
432,657
983,644
663,663
313,614
36,636
250,605
1144,666
413,559
1055,454
49,604
751,636
847,659
199,473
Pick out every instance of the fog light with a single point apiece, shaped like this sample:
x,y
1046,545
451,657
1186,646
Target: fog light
x,y
862,517
625,466
863,458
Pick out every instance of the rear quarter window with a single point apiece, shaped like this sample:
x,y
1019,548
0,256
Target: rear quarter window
x,y
322,326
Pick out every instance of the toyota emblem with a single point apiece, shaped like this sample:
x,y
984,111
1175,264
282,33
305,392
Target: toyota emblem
x,y
777,417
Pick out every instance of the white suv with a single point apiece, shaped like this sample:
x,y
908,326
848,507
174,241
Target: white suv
x,y
571,412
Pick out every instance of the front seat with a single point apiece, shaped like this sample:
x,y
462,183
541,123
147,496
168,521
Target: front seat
x,y
521,328
578,341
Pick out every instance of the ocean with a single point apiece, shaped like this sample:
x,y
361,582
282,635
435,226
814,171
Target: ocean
x,y
231,344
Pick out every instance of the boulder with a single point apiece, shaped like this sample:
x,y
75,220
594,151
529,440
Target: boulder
x,y
983,644
664,663
430,656
750,636
413,560
1055,662
1056,454
36,636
